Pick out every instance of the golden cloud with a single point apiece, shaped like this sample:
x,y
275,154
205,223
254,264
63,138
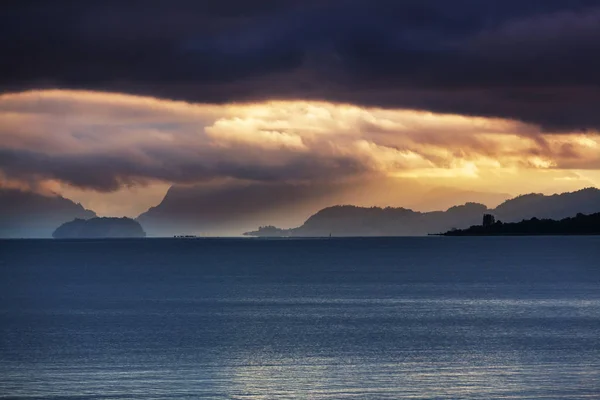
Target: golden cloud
x,y
106,141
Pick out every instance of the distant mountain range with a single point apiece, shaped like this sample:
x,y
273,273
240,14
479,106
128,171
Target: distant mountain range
x,y
194,210
442,198
375,221
230,209
226,209
26,214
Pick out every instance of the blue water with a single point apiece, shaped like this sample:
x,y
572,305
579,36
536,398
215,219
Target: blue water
x,y
444,318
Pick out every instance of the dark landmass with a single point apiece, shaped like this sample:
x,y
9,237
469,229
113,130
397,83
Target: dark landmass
x,y
198,210
375,221
226,209
579,225
270,231
99,228
360,221
442,198
30,215
558,206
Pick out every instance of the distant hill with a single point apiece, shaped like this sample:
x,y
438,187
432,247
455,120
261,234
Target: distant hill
x,y
25,214
375,221
99,228
225,209
558,206
579,225
360,221
235,207
442,198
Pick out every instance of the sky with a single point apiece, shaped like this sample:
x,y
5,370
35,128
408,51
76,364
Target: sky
x,y
110,103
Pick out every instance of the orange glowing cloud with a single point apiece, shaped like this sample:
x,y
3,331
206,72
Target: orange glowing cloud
x,y
108,142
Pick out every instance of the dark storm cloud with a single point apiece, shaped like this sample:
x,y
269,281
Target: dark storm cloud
x,y
530,60
107,173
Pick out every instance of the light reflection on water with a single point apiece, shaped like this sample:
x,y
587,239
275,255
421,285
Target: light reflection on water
x,y
503,377
195,320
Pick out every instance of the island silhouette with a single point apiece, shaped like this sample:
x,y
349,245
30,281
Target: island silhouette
x,y
99,228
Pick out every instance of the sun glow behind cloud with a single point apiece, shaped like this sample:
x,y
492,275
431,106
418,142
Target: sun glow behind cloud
x,y
91,144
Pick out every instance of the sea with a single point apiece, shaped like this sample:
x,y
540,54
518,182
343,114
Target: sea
x,y
333,318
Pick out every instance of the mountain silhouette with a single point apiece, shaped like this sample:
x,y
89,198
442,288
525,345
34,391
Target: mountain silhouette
x,y
222,210
442,198
375,221
558,206
226,209
99,228
26,214
581,224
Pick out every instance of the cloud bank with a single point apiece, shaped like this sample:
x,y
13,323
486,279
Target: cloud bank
x,y
106,141
533,61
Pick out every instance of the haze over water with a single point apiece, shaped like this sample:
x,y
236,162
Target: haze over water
x,y
446,318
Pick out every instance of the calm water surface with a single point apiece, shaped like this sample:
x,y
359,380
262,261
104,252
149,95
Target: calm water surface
x,y
444,318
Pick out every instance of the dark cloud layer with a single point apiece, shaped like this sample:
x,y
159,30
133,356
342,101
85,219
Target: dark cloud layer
x,y
534,60
106,173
